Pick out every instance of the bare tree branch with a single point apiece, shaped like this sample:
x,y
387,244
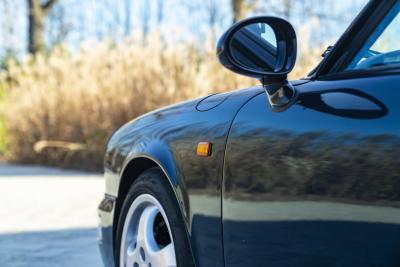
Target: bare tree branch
x,y
48,5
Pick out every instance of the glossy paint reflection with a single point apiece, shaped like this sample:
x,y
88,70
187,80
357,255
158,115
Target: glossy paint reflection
x,y
349,103
170,137
315,185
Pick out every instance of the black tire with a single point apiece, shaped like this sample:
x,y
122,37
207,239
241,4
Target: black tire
x,y
154,182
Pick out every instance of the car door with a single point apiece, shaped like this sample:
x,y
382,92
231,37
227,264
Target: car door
x,y
319,183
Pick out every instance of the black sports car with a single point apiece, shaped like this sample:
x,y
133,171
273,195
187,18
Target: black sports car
x,y
289,173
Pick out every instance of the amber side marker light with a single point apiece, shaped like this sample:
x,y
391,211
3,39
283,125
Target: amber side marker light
x,y
204,149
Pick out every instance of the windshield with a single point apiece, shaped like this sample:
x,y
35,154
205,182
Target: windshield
x,y
382,48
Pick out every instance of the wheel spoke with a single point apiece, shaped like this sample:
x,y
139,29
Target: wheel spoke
x,y
131,254
131,259
164,257
138,245
145,235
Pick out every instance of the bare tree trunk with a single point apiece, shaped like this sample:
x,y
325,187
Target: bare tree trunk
x,y
36,20
128,11
145,17
98,6
160,11
241,7
287,4
36,26
213,12
238,9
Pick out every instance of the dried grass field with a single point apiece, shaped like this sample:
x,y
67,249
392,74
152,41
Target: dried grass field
x,y
82,98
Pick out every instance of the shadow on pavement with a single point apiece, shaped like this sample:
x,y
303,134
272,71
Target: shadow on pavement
x,y
63,248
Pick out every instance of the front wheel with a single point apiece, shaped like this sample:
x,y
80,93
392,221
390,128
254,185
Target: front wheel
x,y
150,230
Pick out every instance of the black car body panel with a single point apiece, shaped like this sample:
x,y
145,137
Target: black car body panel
x,y
168,137
317,187
315,184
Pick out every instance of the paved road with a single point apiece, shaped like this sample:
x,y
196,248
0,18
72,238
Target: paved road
x,y
48,217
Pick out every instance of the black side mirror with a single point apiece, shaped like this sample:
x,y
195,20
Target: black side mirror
x,y
263,48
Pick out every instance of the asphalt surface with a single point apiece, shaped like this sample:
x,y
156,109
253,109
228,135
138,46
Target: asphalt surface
x,y
48,217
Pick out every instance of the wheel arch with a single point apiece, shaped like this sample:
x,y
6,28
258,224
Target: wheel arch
x,y
128,176
136,165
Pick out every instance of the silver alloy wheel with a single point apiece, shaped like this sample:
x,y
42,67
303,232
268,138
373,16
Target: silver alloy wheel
x,y
139,246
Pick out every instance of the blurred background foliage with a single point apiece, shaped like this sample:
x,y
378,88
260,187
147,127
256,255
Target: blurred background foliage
x,y
73,71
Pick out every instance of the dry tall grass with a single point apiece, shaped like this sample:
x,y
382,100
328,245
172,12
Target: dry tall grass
x,y
83,98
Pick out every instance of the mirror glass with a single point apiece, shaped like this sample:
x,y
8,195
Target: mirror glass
x,y
255,47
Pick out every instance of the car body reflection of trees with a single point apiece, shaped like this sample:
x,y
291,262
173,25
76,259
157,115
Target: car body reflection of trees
x,y
318,165
323,189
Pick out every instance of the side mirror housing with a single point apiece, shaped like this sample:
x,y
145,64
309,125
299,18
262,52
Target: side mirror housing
x,y
264,48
